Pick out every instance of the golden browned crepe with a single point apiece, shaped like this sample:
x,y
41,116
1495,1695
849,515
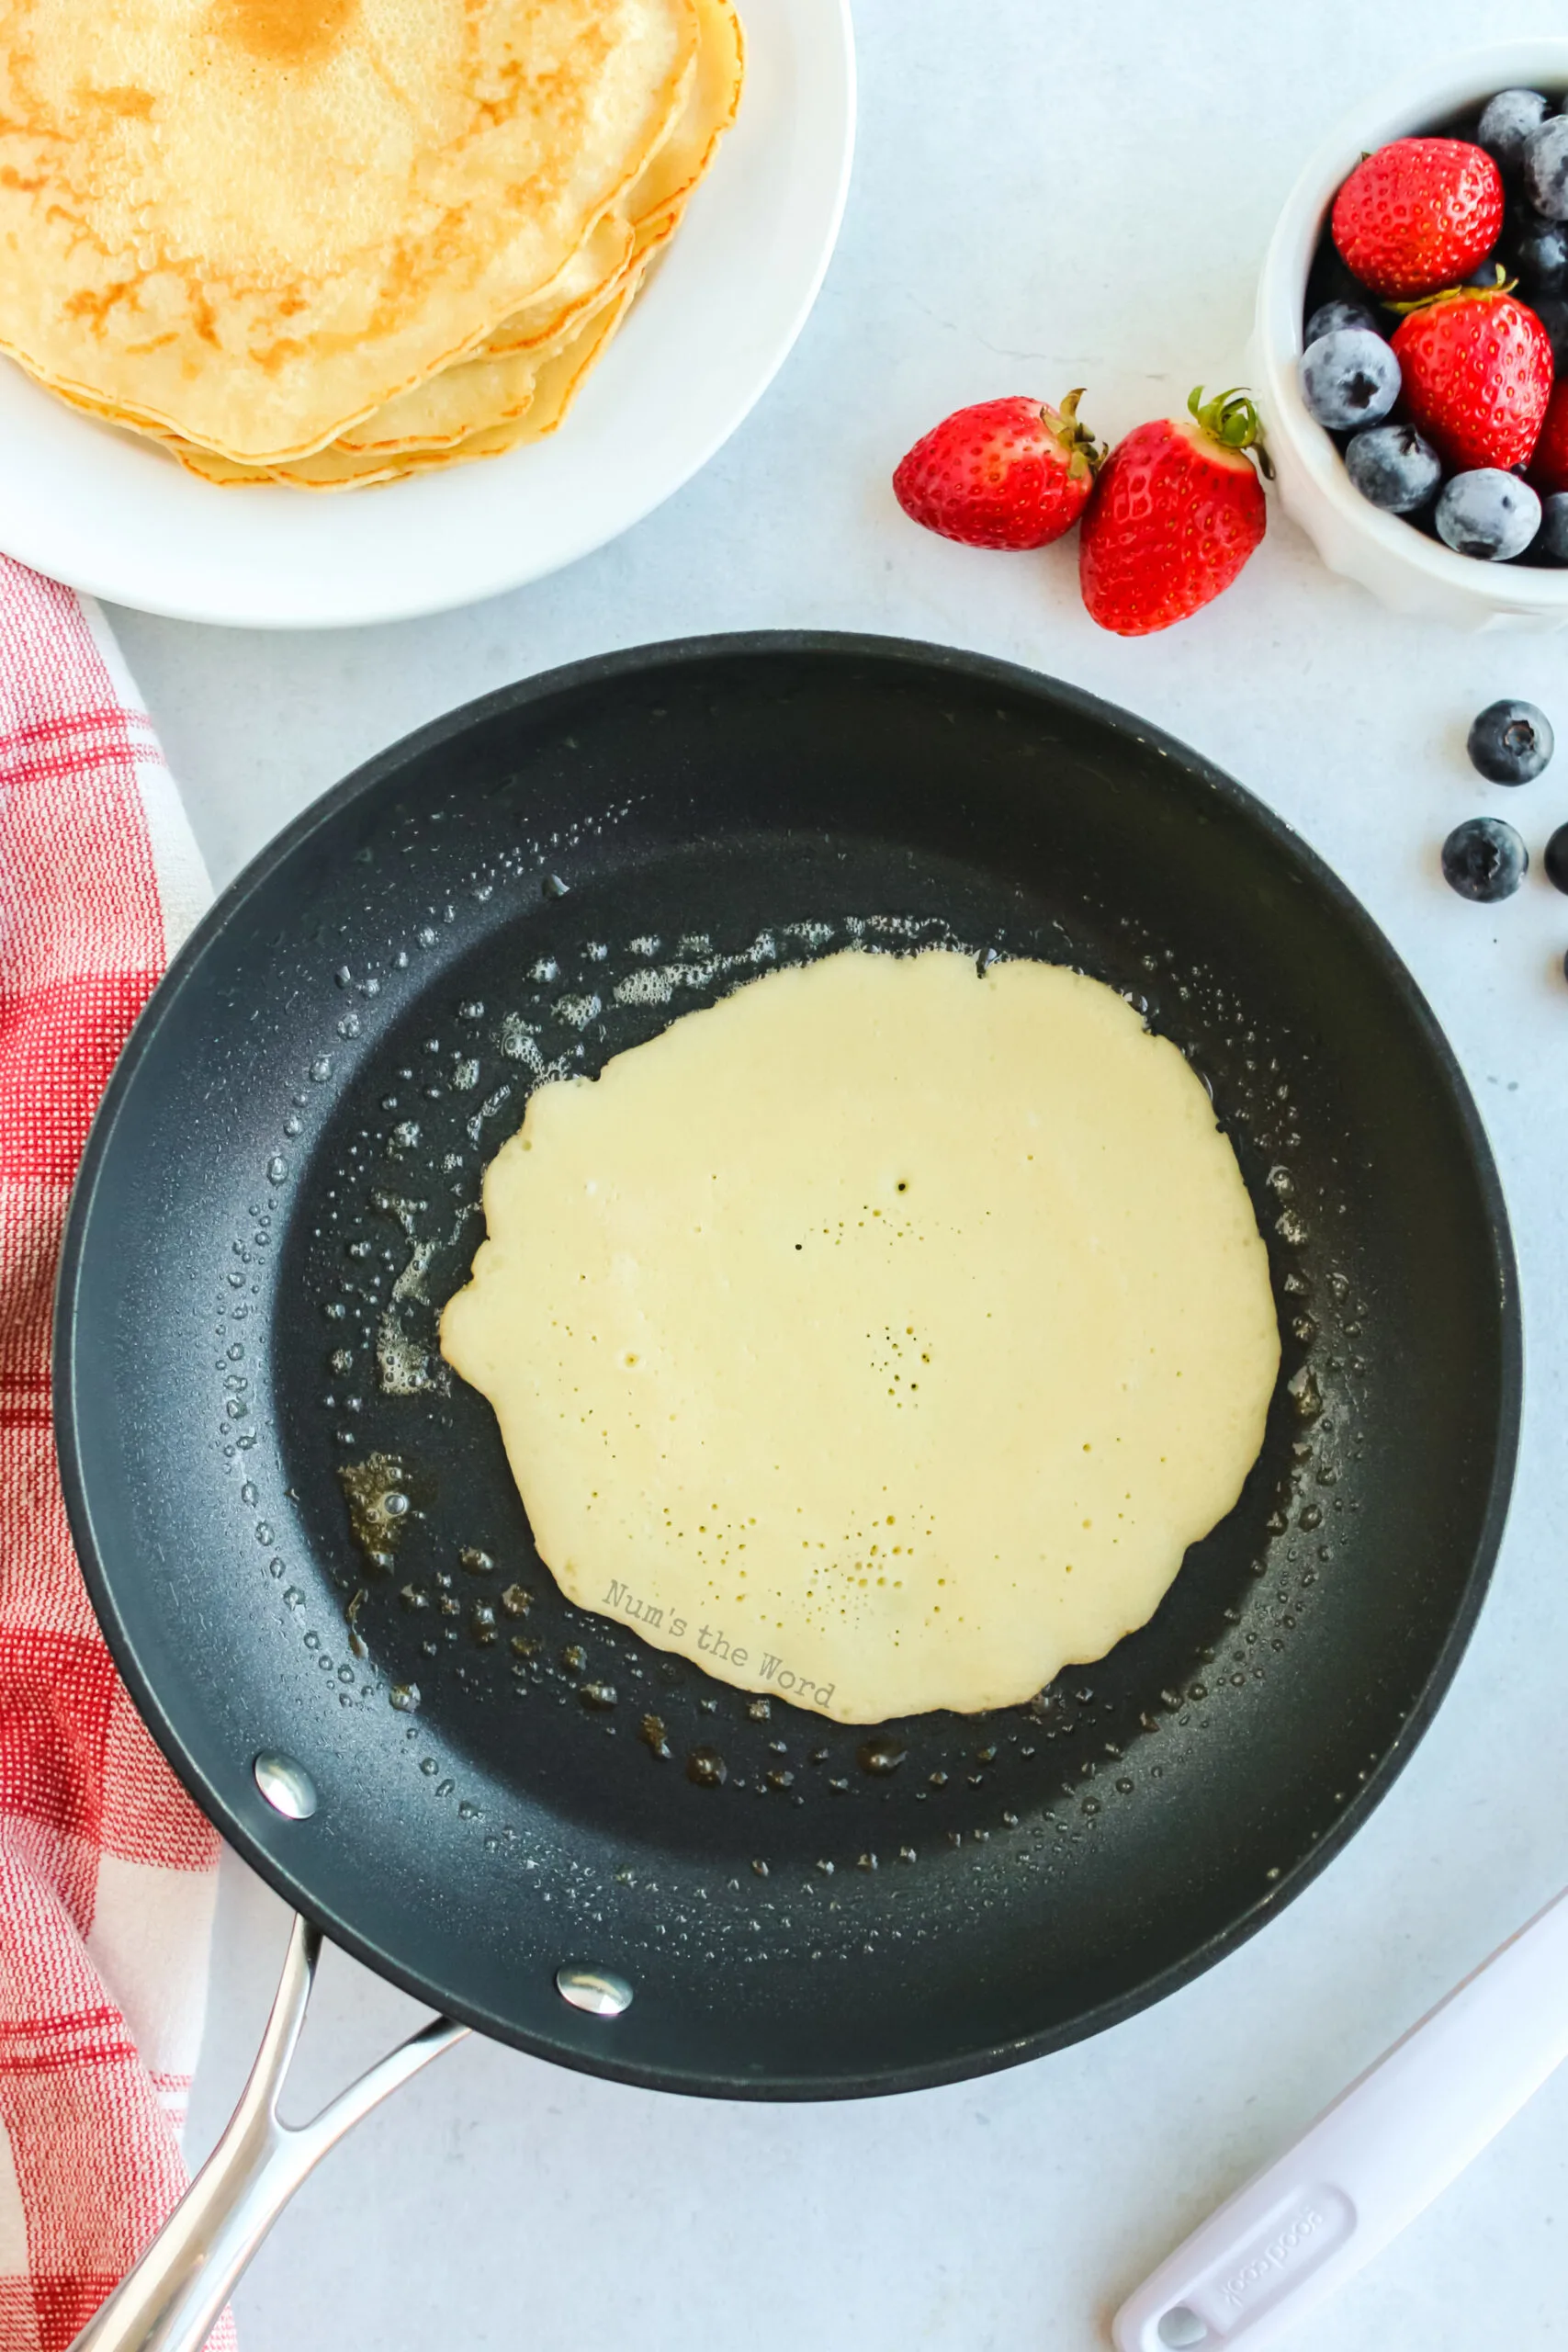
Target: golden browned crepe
x,y
250,223
651,209
551,390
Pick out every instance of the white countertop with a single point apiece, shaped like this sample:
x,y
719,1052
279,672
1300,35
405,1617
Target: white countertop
x,y
1038,202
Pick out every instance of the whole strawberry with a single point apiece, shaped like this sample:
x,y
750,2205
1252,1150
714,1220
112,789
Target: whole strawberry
x,y
1176,511
1476,368
1010,473
1419,214
1548,465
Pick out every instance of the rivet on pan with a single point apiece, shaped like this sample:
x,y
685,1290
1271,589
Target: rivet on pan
x,y
286,1785
1182,2328
598,1990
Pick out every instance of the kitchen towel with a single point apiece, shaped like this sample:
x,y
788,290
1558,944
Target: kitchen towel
x,y
107,1873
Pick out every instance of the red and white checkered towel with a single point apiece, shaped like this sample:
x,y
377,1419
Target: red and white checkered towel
x,y
106,1870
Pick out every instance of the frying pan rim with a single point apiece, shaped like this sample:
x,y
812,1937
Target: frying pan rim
x,y
570,678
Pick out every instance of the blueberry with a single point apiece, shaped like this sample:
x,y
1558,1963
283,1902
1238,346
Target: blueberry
x,y
1330,317
1557,858
1510,743
1394,467
1553,312
1350,377
1484,859
1507,125
1546,167
1553,540
1488,514
1539,250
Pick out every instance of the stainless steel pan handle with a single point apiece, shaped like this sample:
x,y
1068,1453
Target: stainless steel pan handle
x,y
170,2301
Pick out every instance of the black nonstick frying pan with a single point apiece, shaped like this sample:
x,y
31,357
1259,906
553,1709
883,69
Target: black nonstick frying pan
x,y
281,1191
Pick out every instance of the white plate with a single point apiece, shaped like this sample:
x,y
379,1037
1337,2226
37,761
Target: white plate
x,y
111,513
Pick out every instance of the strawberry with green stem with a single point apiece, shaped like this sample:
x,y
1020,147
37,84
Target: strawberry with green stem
x,y
1177,510
1476,370
1008,473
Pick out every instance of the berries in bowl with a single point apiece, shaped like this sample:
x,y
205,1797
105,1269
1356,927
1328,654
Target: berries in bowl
x,y
1412,322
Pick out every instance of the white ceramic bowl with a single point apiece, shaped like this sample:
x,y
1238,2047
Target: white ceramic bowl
x,y
1400,565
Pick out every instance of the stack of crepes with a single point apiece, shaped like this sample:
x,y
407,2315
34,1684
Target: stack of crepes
x,y
328,242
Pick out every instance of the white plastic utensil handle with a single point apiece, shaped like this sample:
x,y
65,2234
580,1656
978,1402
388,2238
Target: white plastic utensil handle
x,y
1378,2156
